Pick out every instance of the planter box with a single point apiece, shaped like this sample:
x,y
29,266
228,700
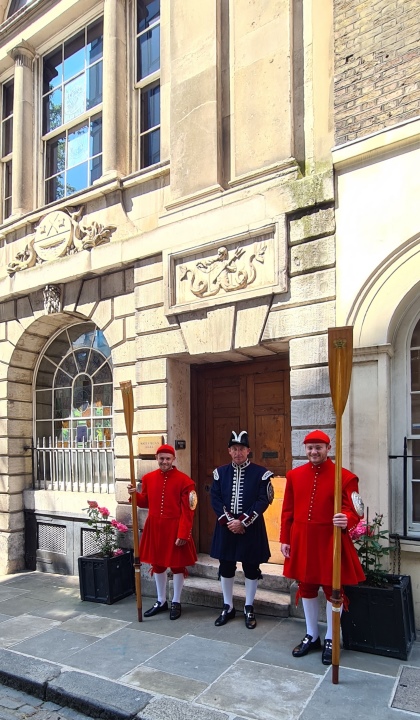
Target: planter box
x,y
106,579
380,620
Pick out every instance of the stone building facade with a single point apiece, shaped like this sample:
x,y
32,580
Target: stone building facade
x,y
377,126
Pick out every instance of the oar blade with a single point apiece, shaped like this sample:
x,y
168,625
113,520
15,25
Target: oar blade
x,y
340,359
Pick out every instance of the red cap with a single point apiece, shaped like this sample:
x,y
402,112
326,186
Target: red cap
x,y
317,436
165,449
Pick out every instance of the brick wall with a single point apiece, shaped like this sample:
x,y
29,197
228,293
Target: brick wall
x,y
377,65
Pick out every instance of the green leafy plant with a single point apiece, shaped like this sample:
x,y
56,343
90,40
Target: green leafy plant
x,y
371,542
106,530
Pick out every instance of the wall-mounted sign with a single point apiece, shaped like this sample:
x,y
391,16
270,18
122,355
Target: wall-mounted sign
x,y
148,444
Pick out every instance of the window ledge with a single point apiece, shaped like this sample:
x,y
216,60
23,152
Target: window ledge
x,y
410,546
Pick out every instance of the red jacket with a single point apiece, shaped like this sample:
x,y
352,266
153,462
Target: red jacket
x,y
306,525
167,495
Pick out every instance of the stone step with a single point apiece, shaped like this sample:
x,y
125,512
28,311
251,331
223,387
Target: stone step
x,y
207,592
272,575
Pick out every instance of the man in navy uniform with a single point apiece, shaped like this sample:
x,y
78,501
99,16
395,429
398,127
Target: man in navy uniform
x,y
240,494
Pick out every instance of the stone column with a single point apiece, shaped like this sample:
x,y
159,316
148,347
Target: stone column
x,y
114,129
23,129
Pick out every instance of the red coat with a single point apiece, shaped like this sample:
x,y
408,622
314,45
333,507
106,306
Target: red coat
x,y
306,525
167,495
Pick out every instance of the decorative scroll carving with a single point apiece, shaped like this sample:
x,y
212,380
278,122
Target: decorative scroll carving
x,y
224,272
59,233
52,299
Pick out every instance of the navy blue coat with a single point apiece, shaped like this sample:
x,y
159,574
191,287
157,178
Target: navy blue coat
x,y
241,491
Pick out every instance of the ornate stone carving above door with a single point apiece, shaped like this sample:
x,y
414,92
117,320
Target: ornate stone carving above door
x,y
237,268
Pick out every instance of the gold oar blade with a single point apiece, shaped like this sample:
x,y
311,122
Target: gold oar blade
x,y
340,359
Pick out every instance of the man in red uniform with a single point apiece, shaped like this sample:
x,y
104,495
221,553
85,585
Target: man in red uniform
x,y
166,539
306,535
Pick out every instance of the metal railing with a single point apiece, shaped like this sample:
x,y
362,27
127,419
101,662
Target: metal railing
x,y
86,466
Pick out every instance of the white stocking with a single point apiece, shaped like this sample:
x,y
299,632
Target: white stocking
x,y
250,590
160,580
310,608
227,590
329,608
178,585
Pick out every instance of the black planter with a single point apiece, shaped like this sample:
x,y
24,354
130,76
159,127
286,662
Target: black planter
x,y
106,579
380,620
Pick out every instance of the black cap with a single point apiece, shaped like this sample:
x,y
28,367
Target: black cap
x,y
240,438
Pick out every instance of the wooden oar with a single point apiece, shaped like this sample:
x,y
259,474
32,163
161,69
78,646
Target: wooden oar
x,y
340,357
128,404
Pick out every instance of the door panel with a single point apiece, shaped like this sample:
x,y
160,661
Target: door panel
x,y
248,396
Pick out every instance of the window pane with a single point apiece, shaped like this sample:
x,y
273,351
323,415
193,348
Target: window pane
x,y
7,137
74,55
77,178
53,70
96,136
150,148
415,369
103,375
55,156
82,393
43,432
7,210
95,362
52,111
415,414
82,357
150,107
415,339
74,98
148,52
54,188
95,169
62,403
95,42
416,502
69,365
45,376
101,344
8,99
44,405
79,337
102,396
78,147
148,12
94,86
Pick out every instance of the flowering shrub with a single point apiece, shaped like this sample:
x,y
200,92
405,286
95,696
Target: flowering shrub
x,y
369,539
105,529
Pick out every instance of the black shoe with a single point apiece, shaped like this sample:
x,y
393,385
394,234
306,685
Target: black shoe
x,y
157,608
250,620
306,646
225,615
175,611
327,652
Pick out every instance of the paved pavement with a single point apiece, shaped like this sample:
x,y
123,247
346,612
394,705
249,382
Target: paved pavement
x,y
61,658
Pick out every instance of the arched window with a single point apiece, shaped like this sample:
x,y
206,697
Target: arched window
x,y
16,5
73,413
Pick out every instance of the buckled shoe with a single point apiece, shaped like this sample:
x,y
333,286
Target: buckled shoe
x,y
225,615
306,646
175,611
157,608
250,620
327,652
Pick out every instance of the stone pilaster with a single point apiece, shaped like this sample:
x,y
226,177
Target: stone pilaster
x,y
114,129
23,119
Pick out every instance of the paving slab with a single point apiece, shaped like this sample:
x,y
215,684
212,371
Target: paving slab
x,y
164,683
96,697
407,692
261,692
119,653
24,604
56,645
357,695
197,658
94,625
164,708
277,645
16,629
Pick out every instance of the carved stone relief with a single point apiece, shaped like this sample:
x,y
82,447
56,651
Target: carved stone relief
x,y
242,264
52,299
59,233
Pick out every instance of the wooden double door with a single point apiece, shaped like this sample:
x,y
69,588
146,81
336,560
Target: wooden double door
x,y
251,396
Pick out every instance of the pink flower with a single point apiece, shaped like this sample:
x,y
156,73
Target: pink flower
x,y
122,528
118,551
114,523
104,511
92,503
361,529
